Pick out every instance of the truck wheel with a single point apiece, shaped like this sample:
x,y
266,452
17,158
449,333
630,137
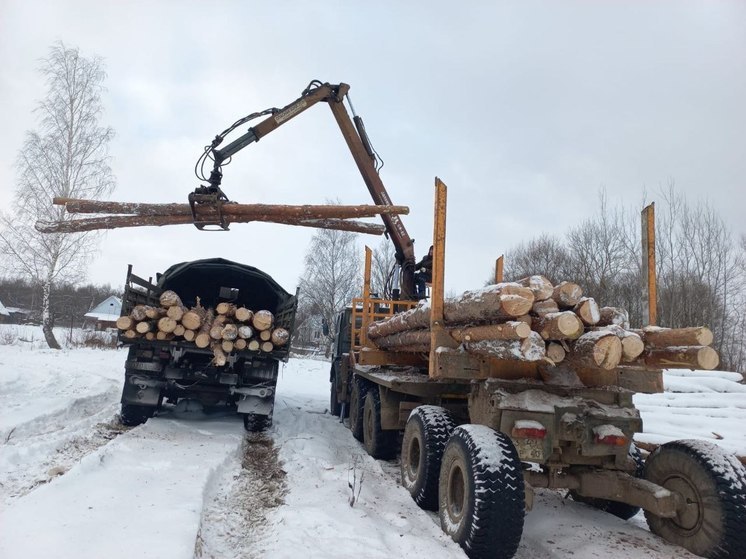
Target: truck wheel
x,y
334,406
132,414
481,492
711,483
425,438
620,510
357,401
378,442
255,423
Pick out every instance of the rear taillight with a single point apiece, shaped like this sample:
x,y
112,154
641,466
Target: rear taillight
x,y
528,429
609,435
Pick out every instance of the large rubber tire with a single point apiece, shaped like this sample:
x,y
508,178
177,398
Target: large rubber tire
x,y
425,438
357,401
621,510
132,414
713,485
481,492
255,423
379,443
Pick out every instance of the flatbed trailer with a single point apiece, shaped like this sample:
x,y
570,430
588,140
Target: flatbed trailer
x,y
476,435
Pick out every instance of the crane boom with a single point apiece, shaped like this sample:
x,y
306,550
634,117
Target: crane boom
x,y
358,143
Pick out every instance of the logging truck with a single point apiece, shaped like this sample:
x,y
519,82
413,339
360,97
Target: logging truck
x,y
208,330
527,385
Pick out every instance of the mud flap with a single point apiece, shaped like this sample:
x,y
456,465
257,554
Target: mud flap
x,y
141,391
258,401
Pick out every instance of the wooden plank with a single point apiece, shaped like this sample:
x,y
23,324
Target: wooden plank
x,y
376,357
636,379
458,365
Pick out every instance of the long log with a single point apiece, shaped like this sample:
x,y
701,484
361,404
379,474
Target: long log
x,y
512,330
144,327
193,318
495,303
154,312
547,306
125,323
632,345
230,332
227,309
280,337
655,336
119,222
243,314
509,331
176,312
555,352
74,205
598,349
528,349
564,325
245,332
169,299
138,313
588,311
219,357
540,286
167,324
203,339
613,315
684,357
567,294
262,320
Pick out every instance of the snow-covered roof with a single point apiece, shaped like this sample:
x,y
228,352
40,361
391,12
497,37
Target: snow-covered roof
x,y
3,310
107,310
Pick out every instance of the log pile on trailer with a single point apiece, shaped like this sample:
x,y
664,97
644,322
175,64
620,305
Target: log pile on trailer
x,y
223,329
532,320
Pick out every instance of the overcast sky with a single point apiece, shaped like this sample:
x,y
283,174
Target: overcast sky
x,y
524,109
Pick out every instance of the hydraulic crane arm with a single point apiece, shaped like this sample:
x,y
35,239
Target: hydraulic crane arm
x,y
358,143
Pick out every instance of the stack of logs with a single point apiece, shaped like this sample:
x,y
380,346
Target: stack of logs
x,y
223,329
533,320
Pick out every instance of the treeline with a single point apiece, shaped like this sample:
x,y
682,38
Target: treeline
x,y
68,302
700,267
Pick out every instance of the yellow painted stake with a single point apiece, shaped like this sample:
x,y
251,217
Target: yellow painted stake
x,y
438,335
366,278
499,269
650,291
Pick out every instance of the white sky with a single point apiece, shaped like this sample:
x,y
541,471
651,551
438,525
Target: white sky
x,y
525,109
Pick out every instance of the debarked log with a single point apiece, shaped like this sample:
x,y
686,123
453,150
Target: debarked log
x,y
682,357
495,303
118,222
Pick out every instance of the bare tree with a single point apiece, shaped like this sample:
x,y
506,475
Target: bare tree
x,y
381,266
332,275
67,156
543,255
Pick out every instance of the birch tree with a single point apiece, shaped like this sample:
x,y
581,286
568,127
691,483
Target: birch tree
x,y
382,264
332,275
66,155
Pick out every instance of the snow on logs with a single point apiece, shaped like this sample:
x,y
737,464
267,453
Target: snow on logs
x,y
223,329
532,320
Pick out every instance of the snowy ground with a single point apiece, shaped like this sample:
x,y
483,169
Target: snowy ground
x,y
76,484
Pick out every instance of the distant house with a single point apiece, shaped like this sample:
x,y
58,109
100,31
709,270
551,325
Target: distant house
x,y
105,314
4,314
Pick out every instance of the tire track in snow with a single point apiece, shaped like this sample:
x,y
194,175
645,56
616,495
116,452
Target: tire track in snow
x,y
46,447
238,498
